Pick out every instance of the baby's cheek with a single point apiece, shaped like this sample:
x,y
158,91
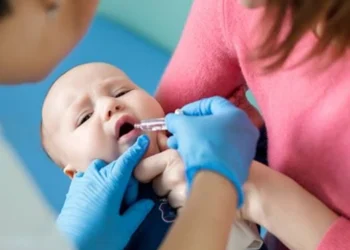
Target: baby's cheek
x,y
98,147
148,107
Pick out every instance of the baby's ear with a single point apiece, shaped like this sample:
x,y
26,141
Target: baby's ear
x,y
162,141
69,171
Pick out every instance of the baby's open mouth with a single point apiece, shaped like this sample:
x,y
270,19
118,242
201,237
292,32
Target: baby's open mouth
x,y
125,129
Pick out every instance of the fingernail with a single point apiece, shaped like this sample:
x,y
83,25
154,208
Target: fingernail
x,y
178,112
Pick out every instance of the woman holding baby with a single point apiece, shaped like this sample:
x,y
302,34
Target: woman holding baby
x,y
294,57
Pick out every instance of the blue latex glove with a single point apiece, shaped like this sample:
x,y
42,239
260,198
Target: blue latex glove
x,y
214,135
91,214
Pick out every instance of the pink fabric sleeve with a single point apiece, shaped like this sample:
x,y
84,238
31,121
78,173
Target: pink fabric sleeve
x,y
337,237
203,64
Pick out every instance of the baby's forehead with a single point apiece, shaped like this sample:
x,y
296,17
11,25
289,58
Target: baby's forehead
x,y
83,76
72,84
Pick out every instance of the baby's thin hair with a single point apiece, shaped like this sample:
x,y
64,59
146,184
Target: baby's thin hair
x,y
45,146
44,136
42,140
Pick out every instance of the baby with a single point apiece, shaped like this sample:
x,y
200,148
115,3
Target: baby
x,y
89,114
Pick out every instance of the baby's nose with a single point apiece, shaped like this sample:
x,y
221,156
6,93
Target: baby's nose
x,y
111,110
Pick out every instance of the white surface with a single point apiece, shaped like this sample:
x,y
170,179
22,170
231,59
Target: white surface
x,y
26,223
244,237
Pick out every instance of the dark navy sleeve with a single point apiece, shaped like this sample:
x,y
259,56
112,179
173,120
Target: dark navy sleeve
x,y
152,231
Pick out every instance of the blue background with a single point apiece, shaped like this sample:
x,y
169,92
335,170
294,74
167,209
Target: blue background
x,y
20,107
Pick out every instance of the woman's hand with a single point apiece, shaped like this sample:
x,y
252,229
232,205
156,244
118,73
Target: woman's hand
x,y
274,200
166,171
260,176
91,215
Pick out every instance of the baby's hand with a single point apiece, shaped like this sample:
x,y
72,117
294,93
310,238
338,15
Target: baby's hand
x,y
166,171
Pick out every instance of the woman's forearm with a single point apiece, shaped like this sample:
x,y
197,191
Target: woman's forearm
x,y
205,222
293,215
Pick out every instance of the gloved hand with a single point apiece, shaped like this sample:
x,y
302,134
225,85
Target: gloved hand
x,y
91,214
212,134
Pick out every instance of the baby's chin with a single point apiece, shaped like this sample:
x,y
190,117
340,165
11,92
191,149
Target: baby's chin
x,y
152,148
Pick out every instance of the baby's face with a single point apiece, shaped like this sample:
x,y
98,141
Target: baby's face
x,y
89,114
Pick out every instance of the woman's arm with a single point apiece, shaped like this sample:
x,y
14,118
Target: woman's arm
x,y
205,61
205,222
202,65
296,217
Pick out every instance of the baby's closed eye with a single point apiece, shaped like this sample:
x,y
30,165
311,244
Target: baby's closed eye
x,y
121,93
84,118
